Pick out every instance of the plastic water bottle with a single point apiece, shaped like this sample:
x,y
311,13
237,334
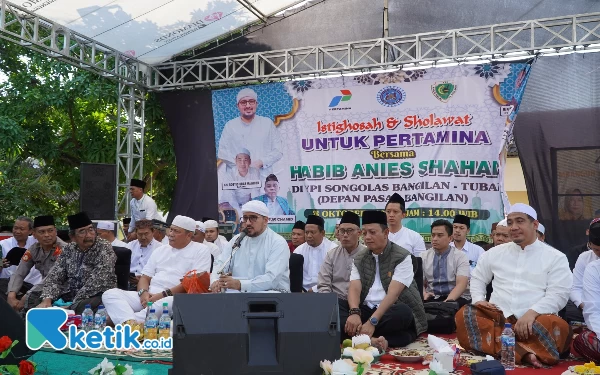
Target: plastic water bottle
x,y
164,324
148,308
508,347
87,319
151,326
100,318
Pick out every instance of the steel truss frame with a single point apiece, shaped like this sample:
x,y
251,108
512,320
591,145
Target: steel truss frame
x,y
578,33
130,142
515,39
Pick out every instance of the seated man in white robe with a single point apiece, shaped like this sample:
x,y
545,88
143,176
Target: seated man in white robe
x,y
575,312
531,282
587,344
161,277
313,250
262,264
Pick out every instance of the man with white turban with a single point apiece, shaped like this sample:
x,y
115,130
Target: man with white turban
x,y
262,262
255,133
531,282
200,237
211,231
501,234
161,276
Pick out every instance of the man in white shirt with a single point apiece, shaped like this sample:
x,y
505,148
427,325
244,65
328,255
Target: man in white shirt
x,y
161,276
541,232
142,206
141,250
587,344
262,262
575,312
531,284
160,233
395,210
255,133
211,231
313,250
460,230
106,230
22,230
200,237
383,298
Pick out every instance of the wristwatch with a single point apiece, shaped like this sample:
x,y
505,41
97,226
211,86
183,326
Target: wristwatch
x,y
141,291
373,321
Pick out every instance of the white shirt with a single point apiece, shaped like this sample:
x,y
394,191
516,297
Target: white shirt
x,y
403,273
313,259
260,137
140,255
34,277
168,266
238,197
473,252
409,240
261,263
536,278
274,208
583,260
591,296
165,240
214,249
118,243
221,242
144,208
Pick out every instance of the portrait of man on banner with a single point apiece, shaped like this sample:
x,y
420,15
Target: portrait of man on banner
x,y
240,184
255,133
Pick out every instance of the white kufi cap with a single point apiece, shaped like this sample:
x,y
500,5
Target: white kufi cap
x,y
523,209
257,207
106,225
246,93
200,226
184,222
211,224
541,228
502,223
244,151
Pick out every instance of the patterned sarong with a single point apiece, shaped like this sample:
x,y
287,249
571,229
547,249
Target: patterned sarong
x,y
587,345
480,329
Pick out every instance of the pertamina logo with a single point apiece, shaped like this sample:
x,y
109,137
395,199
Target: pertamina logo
x,y
335,102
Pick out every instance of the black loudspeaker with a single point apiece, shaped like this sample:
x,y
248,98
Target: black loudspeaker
x,y
254,333
97,190
13,326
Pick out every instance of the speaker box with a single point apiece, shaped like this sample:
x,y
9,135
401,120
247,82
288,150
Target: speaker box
x,y
97,190
13,326
254,333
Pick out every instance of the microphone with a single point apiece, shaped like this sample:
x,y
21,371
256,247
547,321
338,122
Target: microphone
x,y
238,241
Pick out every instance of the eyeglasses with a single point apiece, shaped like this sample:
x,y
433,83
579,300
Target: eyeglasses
x,y
246,102
83,232
252,218
346,231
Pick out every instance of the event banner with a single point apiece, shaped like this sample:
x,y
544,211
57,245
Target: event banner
x,y
437,137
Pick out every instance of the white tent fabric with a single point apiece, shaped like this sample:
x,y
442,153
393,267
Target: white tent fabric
x,y
153,30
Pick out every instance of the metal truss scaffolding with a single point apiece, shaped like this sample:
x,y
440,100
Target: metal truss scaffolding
x,y
130,142
515,39
579,33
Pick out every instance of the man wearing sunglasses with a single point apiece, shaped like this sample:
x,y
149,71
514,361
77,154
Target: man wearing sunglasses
x,y
261,263
255,133
84,270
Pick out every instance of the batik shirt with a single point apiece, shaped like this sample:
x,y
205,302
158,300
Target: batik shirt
x,y
82,273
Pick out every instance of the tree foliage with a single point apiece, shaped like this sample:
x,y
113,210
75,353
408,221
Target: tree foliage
x,y
53,117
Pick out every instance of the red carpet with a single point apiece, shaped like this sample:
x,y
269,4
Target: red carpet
x,y
388,365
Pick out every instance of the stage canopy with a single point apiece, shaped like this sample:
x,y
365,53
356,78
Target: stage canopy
x,y
153,31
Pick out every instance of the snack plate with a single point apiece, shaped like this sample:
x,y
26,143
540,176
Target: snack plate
x,y
408,355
